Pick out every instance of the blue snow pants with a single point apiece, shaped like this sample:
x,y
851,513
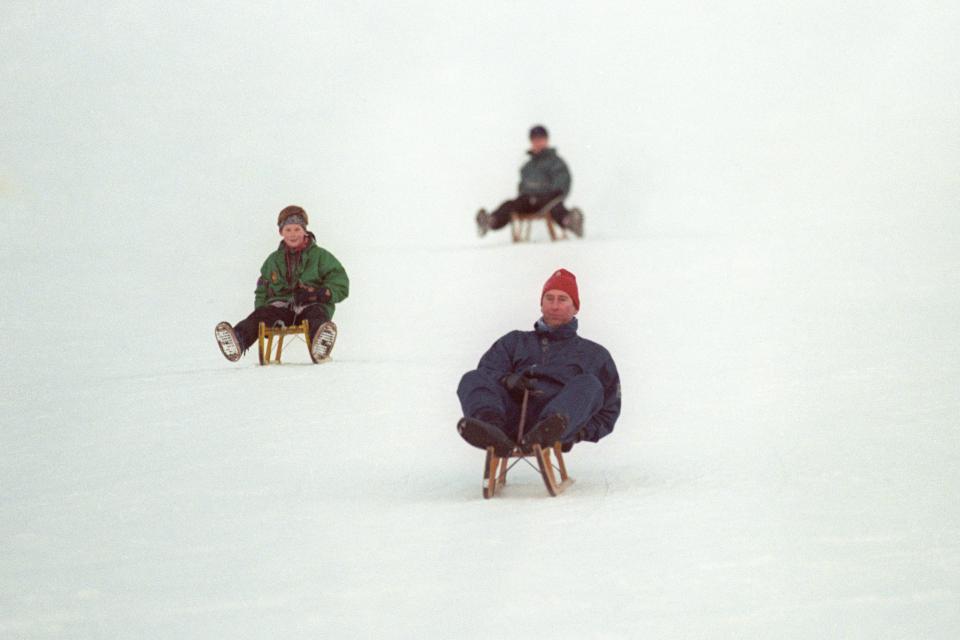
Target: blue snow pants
x,y
579,399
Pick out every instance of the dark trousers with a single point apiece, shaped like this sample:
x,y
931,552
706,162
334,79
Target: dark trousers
x,y
248,329
579,399
526,204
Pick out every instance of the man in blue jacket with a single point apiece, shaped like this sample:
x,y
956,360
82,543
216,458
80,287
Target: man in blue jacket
x,y
543,178
573,382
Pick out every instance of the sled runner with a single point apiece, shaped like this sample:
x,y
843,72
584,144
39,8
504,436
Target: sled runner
x,y
319,351
495,468
520,223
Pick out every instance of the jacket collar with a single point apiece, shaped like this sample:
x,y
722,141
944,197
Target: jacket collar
x,y
562,332
546,153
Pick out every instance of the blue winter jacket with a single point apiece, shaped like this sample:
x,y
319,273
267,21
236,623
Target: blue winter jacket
x,y
552,357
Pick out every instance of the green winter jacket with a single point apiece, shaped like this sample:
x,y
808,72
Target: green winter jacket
x,y
544,173
316,267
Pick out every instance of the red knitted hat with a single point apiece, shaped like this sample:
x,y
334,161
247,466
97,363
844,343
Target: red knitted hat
x,y
564,281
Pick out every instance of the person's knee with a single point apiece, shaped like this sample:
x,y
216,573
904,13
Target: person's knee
x,y
470,381
586,383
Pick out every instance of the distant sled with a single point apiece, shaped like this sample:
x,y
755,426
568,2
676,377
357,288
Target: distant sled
x,y
521,223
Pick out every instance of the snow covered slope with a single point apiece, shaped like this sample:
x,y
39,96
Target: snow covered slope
x,y
772,259
786,460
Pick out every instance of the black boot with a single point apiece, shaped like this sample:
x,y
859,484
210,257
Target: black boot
x,y
483,222
230,341
547,431
483,434
574,222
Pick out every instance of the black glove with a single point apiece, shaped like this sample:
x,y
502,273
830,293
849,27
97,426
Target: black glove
x,y
304,295
517,383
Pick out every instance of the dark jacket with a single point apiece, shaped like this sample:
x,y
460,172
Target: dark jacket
x,y
313,267
552,357
545,173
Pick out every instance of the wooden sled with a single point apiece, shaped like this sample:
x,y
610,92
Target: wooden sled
x,y
266,336
495,468
521,223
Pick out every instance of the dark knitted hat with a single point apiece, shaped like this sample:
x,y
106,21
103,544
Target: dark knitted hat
x,y
293,215
539,131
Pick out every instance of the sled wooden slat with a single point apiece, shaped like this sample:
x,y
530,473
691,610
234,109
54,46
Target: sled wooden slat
x,y
491,479
547,469
267,334
504,466
558,450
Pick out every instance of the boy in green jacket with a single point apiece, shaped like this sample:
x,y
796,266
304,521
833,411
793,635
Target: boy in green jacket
x,y
299,281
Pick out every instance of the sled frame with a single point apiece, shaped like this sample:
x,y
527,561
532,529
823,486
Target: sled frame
x,y
555,476
495,467
521,223
267,334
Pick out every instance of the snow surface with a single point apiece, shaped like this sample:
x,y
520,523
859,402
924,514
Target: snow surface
x,y
772,258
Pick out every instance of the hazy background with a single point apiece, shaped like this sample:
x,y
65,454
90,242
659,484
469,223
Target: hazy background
x,y
392,122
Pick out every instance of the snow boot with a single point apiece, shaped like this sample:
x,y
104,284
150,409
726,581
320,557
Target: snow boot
x,y
228,342
547,431
483,222
574,222
323,341
482,434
